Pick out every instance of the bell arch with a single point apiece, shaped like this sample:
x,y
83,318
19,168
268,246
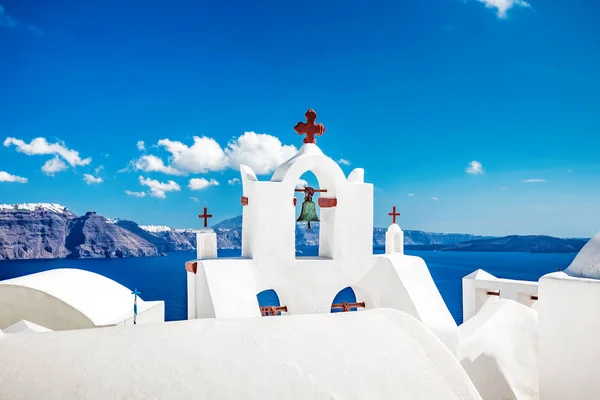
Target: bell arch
x,y
268,298
329,176
328,173
303,211
347,295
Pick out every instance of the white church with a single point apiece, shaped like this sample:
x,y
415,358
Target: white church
x,y
270,324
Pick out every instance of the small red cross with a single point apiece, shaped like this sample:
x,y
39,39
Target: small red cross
x,y
394,214
310,129
205,216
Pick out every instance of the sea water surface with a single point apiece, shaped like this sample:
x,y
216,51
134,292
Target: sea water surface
x,y
164,278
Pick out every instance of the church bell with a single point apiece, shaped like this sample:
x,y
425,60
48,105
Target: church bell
x,y
308,213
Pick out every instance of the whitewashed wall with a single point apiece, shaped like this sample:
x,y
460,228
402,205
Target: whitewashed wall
x,y
569,323
476,285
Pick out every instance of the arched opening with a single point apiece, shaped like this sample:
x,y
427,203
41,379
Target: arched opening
x,y
268,298
345,295
307,241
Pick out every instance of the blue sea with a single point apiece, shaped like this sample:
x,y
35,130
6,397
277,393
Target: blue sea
x,y
164,278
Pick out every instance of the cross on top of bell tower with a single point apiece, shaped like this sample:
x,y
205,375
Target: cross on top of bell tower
x,y
205,216
394,214
310,129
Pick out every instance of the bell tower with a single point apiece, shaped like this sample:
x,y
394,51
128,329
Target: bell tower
x,y
269,212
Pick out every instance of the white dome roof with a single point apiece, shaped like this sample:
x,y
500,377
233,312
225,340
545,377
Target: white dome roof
x,y
587,262
374,354
100,299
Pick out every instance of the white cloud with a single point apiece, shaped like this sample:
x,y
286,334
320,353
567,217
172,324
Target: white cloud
x,y
97,170
411,195
234,181
159,189
343,161
140,145
301,183
204,155
502,6
195,199
150,163
135,194
201,183
90,179
6,177
40,146
53,166
435,198
261,152
475,168
535,180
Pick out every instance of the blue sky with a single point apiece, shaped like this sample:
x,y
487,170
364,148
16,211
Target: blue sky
x,y
412,91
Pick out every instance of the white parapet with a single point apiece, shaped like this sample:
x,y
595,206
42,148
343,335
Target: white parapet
x,y
206,248
569,324
394,240
206,244
479,287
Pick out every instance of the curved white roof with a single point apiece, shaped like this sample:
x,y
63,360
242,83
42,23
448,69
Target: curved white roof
x,y
25,326
374,354
100,299
311,158
499,350
587,262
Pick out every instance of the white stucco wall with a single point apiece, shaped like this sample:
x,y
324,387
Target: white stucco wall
x,y
206,244
62,299
499,351
405,283
394,240
378,354
476,285
228,287
569,322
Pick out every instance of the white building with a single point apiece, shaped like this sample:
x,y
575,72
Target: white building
x,y
346,266
543,343
63,299
519,340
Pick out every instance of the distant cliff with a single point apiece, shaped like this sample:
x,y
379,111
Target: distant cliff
x,y
44,230
164,238
513,243
229,234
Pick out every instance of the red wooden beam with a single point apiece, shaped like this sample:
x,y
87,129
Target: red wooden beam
x,y
345,306
534,297
244,201
191,266
295,200
314,190
272,310
327,202
493,293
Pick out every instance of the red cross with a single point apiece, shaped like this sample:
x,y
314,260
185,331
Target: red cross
x,y
394,214
205,216
310,129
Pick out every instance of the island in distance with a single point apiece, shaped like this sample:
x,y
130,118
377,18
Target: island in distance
x,y
44,230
